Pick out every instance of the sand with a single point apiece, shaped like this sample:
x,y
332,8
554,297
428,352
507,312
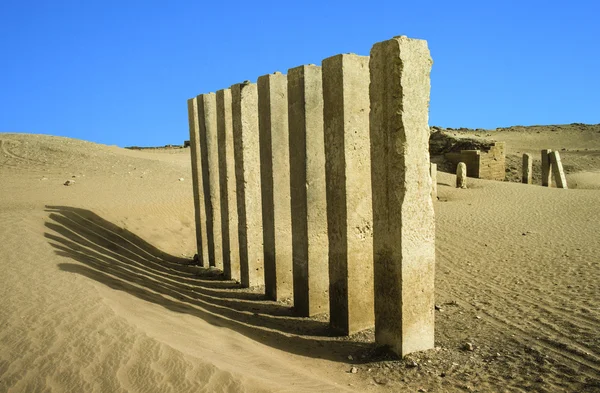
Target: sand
x,y
98,294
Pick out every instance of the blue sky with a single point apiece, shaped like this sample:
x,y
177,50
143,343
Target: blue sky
x,y
120,72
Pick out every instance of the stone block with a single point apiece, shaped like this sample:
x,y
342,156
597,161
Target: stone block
x,y
527,169
207,109
247,174
403,216
546,168
197,182
308,195
557,168
275,175
433,174
229,214
461,175
349,205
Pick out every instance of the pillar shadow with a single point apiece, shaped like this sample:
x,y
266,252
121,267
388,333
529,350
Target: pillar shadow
x,y
123,261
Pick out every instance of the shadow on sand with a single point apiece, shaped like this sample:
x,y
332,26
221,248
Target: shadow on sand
x,y
123,261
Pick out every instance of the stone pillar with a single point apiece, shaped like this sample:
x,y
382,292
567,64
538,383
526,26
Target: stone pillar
x,y
207,110
247,174
229,215
307,186
461,175
275,175
349,203
527,168
433,174
197,182
557,168
546,168
403,216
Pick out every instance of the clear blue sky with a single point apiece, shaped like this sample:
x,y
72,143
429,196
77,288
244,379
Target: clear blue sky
x,y
120,72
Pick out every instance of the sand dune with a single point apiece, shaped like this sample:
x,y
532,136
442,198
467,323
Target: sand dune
x,y
97,294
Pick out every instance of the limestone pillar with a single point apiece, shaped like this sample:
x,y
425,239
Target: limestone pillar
x,y
308,195
403,216
557,168
207,109
546,168
247,174
275,175
433,174
527,168
461,175
349,204
229,215
197,182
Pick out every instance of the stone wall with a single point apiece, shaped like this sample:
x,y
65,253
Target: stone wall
x,y
488,163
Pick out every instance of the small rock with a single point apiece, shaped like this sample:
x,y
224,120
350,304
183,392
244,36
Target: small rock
x,y
422,390
181,179
478,317
353,370
381,381
69,182
438,307
468,347
411,364
350,357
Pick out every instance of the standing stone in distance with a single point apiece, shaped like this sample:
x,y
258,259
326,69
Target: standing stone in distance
x,y
349,202
275,175
527,168
433,174
461,175
403,215
557,168
229,214
307,187
546,168
247,174
197,182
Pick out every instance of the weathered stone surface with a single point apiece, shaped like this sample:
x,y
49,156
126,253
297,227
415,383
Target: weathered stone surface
x,y
546,168
247,173
197,182
207,113
527,169
557,168
433,174
275,175
229,215
461,175
349,205
308,195
403,216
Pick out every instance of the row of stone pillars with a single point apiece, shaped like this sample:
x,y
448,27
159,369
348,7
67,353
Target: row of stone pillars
x,y
317,184
551,164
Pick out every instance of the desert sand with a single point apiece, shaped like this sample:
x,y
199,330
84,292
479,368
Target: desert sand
x,y
98,294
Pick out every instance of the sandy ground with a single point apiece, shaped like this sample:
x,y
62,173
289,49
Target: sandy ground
x,y
97,295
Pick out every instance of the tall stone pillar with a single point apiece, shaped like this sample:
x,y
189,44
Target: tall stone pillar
x,y
308,195
403,216
433,174
546,168
197,182
207,108
229,214
275,175
349,205
557,168
527,169
247,173
461,175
